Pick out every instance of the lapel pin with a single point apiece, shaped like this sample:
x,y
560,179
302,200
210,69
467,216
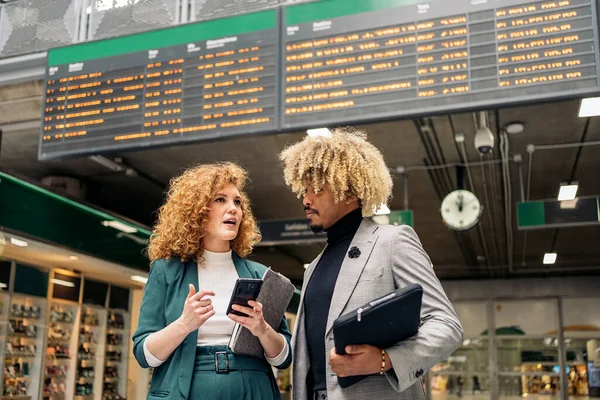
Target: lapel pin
x,y
354,252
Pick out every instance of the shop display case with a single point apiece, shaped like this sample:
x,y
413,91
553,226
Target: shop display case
x,y
23,355
117,352
61,351
4,307
90,354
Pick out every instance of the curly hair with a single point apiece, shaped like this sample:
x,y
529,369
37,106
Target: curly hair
x,y
182,219
350,166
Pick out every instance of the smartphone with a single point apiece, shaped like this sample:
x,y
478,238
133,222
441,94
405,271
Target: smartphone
x,y
245,289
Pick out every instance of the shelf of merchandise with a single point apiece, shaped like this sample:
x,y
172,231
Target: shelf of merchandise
x,y
61,350
117,352
22,355
4,307
91,350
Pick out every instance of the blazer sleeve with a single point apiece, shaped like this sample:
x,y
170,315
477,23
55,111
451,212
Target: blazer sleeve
x,y
152,311
440,332
285,331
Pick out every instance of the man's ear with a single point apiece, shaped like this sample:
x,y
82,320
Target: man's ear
x,y
350,200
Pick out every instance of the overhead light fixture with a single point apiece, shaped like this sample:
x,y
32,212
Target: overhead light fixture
x,y
590,107
568,191
120,226
323,132
18,242
107,163
3,285
62,282
139,278
383,210
73,258
514,127
549,258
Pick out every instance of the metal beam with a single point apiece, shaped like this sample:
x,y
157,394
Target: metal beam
x,y
25,68
34,124
562,354
492,351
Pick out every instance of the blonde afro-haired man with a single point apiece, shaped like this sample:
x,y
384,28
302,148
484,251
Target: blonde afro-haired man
x,y
342,179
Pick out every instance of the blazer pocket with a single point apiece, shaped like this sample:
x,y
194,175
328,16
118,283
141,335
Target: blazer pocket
x,y
371,274
163,394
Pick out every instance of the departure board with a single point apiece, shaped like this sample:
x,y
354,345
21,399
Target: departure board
x,y
346,61
316,64
187,83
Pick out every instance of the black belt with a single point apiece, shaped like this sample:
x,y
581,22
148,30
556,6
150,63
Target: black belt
x,y
221,360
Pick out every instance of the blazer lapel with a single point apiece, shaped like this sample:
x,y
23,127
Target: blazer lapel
x,y
351,270
299,314
240,266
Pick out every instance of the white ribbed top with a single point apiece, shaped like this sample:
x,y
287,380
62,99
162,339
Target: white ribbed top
x,y
217,272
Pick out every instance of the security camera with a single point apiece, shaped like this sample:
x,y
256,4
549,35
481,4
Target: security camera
x,y
484,140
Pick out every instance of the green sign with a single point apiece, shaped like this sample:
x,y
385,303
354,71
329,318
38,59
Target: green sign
x,y
403,217
553,213
166,37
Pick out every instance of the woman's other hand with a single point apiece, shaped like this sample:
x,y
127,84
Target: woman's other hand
x,y
197,309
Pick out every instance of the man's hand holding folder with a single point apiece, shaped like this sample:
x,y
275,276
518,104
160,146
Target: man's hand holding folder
x,y
361,336
360,359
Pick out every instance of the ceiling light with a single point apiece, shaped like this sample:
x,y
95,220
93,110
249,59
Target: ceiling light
x,y
139,278
514,127
73,258
568,191
3,285
383,210
18,242
120,226
549,258
590,107
62,282
323,132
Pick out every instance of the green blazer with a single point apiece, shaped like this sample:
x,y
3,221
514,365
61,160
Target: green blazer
x,y
164,297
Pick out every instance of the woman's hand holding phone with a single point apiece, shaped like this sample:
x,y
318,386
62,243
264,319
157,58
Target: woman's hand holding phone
x,y
254,321
197,309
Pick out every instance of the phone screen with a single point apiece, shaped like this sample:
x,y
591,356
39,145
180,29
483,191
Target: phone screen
x,y
244,290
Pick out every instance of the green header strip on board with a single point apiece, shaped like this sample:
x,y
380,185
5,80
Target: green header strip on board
x,y
328,9
178,35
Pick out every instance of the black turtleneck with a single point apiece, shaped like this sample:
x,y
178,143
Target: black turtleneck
x,y
319,292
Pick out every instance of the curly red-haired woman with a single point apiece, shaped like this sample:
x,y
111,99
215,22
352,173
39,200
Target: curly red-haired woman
x,y
204,229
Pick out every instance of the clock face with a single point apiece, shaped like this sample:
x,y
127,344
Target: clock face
x,y
461,210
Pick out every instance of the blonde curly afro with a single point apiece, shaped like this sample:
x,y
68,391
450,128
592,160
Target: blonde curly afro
x,y
182,219
350,166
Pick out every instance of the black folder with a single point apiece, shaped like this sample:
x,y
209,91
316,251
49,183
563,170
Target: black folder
x,y
382,323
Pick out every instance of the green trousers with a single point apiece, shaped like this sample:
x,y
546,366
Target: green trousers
x,y
221,375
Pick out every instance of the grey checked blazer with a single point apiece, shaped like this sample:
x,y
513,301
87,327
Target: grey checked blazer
x,y
390,258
